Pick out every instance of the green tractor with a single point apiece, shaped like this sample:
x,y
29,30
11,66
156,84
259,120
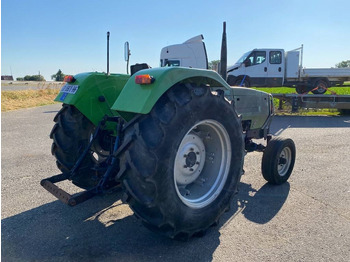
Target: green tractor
x,y
173,138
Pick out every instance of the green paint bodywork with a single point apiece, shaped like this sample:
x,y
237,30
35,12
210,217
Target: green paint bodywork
x,y
123,97
138,98
92,86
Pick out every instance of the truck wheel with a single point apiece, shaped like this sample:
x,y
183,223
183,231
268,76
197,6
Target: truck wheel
x,y
184,163
321,87
301,89
231,80
71,134
278,160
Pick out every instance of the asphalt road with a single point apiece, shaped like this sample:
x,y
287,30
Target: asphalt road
x,y
307,219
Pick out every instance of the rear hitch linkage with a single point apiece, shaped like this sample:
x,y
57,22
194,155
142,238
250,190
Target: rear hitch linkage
x,y
72,200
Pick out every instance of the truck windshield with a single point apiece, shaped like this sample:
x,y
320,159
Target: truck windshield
x,y
243,57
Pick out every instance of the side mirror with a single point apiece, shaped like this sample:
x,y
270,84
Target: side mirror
x,y
126,52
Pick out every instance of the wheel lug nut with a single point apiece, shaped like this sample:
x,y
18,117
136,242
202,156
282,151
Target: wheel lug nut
x,y
185,155
197,163
185,166
191,169
191,149
197,153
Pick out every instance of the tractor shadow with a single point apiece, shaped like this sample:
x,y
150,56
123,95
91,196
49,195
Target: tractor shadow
x,y
104,229
259,206
101,229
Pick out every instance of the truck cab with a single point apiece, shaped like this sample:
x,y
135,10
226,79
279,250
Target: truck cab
x,y
191,53
258,67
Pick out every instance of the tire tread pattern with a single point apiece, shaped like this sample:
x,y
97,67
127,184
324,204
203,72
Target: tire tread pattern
x,y
147,160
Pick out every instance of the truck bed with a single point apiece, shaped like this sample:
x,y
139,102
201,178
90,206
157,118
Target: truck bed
x,y
326,72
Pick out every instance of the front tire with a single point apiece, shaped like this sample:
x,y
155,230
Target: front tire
x,y
184,163
278,160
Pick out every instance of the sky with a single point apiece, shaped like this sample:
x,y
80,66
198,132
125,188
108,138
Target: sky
x,y
45,35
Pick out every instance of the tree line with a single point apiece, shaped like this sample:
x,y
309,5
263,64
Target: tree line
x,y
59,76
343,64
31,78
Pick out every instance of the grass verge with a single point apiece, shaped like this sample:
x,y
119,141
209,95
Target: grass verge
x,y
12,100
344,90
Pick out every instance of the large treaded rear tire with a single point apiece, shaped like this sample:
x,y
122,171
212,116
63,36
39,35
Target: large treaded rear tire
x,y
71,135
148,165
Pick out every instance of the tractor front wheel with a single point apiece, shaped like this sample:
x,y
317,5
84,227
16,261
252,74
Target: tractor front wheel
x,y
184,163
278,160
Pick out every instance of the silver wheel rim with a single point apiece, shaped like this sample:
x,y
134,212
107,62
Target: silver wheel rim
x,y
202,163
285,159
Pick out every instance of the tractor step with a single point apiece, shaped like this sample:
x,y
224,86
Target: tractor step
x,y
71,200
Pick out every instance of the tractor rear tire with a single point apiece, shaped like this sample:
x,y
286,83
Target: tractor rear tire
x,y
184,163
278,160
71,135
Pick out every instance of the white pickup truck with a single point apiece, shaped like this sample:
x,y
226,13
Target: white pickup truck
x,y
275,67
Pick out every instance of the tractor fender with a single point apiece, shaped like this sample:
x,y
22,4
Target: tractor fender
x,y
94,94
137,98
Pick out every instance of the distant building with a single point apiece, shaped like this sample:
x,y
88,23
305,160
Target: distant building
x,y
7,78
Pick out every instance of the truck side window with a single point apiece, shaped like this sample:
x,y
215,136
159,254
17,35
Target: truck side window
x,y
260,57
256,58
275,57
168,62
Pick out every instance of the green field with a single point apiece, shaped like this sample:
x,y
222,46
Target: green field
x,y
339,90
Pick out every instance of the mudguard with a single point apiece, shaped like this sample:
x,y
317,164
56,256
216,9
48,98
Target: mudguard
x,y
136,98
93,94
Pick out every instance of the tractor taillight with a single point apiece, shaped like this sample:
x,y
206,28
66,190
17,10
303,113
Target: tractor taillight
x,y
144,79
68,79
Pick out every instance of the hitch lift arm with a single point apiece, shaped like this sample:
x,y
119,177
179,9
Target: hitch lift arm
x,y
72,200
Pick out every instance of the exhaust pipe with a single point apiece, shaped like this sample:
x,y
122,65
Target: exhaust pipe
x,y
108,53
223,58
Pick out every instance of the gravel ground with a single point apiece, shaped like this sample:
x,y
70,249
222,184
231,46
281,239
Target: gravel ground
x,y
306,219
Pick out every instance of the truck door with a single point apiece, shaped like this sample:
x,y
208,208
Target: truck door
x,y
275,70
256,68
